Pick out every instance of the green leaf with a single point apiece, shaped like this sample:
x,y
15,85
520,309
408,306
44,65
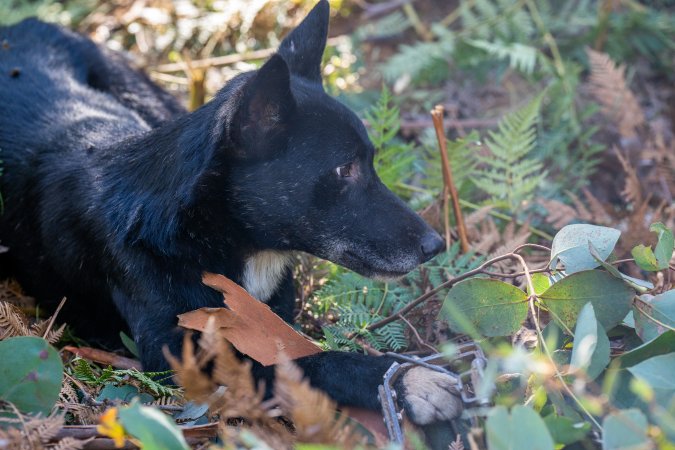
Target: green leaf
x,y
591,345
635,283
653,261
571,246
540,282
664,245
125,393
625,430
493,307
31,373
657,371
521,429
654,315
129,344
153,429
565,430
662,344
611,298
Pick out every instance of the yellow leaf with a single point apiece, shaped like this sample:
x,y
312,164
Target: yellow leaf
x,y
111,427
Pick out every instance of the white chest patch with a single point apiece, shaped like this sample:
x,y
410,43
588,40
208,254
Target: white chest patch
x,y
263,272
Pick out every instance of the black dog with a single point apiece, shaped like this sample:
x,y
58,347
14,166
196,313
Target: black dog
x,y
118,199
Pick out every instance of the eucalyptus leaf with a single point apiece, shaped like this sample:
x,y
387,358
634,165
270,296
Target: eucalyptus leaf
x,y
522,429
31,373
654,314
658,371
611,298
591,345
565,430
659,258
152,428
625,430
662,344
570,246
492,307
635,283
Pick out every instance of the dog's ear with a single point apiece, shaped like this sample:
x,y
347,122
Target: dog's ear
x,y
266,106
303,48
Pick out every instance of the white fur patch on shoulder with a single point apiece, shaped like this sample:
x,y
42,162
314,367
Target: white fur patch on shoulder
x,y
263,272
430,396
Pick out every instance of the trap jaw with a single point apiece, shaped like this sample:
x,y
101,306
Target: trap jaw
x,y
467,367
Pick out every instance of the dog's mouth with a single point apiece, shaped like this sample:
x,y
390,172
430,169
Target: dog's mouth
x,y
372,266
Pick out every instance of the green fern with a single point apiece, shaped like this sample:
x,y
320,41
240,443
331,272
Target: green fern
x,y
521,57
422,61
394,159
152,382
510,174
460,156
357,301
505,20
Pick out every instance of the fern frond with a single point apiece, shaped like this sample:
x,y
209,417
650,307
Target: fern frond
x,y
608,85
510,174
422,59
521,57
12,321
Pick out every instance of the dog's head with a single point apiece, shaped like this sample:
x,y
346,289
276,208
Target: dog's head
x,y
303,176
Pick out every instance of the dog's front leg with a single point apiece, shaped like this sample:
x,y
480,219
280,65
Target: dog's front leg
x,y
352,380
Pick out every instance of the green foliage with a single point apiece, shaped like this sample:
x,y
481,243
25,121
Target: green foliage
x,y
30,374
510,174
394,159
153,429
152,382
506,20
507,431
520,56
492,307
422,61
571,246
358,301
659,258
595,304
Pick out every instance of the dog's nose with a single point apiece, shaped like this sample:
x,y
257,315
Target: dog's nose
x,y
432,245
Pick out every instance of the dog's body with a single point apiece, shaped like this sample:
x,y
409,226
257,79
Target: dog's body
x,y
119,199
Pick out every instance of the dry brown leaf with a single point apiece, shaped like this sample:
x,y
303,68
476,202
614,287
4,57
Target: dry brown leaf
x,y
632,191
12,321
559,213
313,413
190,372
608,85
103,357
251,326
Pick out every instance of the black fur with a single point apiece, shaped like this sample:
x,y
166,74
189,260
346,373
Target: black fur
x,y
119,199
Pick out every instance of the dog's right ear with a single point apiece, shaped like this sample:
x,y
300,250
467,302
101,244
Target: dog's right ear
x,y
265,109
303,48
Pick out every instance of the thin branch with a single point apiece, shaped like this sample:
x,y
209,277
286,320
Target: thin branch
x,y
437,116
424,297
53,318
216,61
417,335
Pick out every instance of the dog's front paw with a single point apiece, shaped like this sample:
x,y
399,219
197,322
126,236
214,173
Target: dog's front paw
x,y
429,396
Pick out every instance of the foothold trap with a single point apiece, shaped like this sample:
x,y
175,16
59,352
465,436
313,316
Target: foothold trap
x,y
466,367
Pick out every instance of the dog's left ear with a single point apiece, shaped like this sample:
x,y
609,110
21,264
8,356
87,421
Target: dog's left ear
x,y
303,48
266,106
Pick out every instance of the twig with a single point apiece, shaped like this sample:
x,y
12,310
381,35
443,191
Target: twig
x,y
437,116
53,318
216,61
426,296
417,335
419,124
417,24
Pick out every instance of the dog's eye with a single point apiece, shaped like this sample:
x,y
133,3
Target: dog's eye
x,y
345,171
